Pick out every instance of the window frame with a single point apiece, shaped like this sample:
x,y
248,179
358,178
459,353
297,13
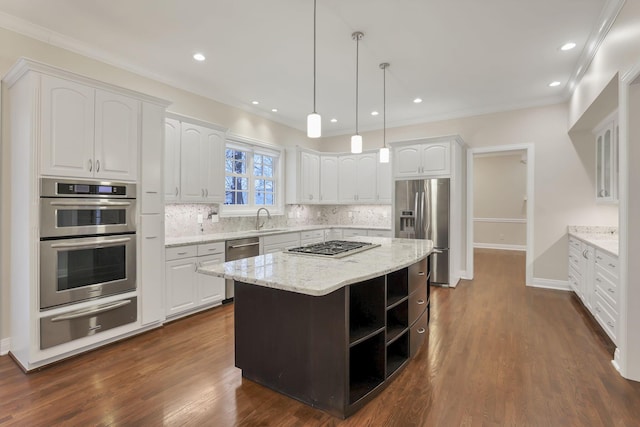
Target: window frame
x,y
252,146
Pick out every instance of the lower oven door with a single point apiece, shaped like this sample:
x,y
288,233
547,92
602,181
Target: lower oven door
x,y
73,270
89,321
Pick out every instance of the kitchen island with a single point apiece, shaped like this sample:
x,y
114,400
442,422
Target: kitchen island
x,y
330,332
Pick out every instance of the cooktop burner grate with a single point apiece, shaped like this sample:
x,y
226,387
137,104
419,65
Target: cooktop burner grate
x,y
333,248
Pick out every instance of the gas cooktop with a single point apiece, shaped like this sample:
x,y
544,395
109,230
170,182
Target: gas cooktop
x,y
333,248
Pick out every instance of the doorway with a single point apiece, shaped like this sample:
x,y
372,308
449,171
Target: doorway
x,y
501,211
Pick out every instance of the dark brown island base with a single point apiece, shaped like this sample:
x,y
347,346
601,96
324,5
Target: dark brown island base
x,y
337,351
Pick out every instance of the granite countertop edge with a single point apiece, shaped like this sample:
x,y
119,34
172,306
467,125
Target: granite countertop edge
x,y
349,270
604,238
171,242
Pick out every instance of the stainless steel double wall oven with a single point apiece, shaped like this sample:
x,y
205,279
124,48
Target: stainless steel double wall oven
x,y
87,240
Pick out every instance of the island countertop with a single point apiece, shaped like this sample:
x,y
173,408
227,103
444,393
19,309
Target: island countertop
x,y
317,276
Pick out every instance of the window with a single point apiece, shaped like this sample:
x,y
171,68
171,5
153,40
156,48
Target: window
x,y
252,178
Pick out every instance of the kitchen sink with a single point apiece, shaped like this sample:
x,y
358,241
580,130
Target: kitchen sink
x,y
267,230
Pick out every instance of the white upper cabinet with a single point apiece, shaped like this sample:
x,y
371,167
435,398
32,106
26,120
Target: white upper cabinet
x,y
329,179
383,182
88,132
428,159
310,177
171,160
117,129
357,176
607,160
67,112
201,164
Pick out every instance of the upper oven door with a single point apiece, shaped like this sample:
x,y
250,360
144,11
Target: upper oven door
x,y
87,216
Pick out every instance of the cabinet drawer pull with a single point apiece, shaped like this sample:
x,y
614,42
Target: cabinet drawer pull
x,y
151,192
421,273
90,166
598,280
176,191
612,265
611,291
420,301
610,324
151,237
421,330
599,257
97,165
182,253
598,309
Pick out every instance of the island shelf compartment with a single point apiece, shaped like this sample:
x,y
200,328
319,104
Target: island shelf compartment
x,y
397,353
366,366
366,308
397,286
397,320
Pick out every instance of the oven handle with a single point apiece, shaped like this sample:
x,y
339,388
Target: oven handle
x,y
244,245
93,243
97,203
91,311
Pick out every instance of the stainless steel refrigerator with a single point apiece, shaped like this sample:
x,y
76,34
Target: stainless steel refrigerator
x,y
421,211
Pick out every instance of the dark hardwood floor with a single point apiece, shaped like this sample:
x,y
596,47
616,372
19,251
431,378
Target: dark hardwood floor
x,y
498,354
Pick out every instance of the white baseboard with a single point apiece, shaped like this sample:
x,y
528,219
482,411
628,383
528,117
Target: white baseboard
x,y
5,345
560,285
499,247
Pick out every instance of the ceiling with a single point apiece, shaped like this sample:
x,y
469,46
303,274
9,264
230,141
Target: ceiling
x,y
462,57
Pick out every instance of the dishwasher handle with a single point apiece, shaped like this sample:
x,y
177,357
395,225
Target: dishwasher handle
x,y
244,245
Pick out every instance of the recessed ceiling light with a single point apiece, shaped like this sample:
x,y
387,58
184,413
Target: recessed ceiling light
x,y
275,110
334,120
199,57
374,113
568,46
417,100
255,102
554,84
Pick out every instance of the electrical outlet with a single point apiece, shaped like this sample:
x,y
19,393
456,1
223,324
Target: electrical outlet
x,y
298,214
215,218
350,214
200,219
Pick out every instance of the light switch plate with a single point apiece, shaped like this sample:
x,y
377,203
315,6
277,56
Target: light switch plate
x,y
215,218
200,218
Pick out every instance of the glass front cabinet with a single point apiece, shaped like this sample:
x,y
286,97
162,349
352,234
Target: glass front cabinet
x,y
607,160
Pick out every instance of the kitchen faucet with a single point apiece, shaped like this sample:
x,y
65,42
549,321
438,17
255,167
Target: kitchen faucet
x,y
258,225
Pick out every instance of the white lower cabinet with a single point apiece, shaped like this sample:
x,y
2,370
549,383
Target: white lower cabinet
x,y
593,276
186,289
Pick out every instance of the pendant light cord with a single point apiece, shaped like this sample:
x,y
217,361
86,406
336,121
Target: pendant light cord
x,y
314,56
357,36
384,106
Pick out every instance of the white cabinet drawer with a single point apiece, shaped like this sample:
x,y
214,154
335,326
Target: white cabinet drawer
x,y
607,262
181,252
576,259
606,287
282,239
349,232
312,235
216,248
575,243
379,233
605,316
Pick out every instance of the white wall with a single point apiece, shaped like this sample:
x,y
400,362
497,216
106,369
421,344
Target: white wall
x,y
13,46
563,189
499,192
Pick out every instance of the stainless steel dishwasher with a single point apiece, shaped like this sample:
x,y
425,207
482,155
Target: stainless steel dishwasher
x,y
238,249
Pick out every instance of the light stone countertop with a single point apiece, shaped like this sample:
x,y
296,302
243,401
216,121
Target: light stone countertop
x,y
221,237
319,276
605,238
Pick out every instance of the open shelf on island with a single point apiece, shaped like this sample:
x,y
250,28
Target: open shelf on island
x,y
397,353
366,366
397,286
366,308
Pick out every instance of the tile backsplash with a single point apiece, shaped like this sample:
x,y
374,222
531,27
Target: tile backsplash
x,y
182,219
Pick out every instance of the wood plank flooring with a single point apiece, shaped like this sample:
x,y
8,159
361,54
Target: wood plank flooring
x,y
498,354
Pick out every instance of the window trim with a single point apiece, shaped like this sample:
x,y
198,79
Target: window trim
x,y
254,146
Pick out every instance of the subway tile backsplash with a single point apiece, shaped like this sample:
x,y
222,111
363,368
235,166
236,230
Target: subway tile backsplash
x,y
182,219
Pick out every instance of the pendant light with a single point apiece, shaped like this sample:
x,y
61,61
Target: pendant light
x,y
384,151
356,140
314,121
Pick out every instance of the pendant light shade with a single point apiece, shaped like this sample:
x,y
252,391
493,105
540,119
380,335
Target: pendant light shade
x,y
384,151
356,140
314,125
314,121
356,144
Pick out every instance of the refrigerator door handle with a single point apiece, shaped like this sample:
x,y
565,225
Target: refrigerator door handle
x,y
422,219
416,217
